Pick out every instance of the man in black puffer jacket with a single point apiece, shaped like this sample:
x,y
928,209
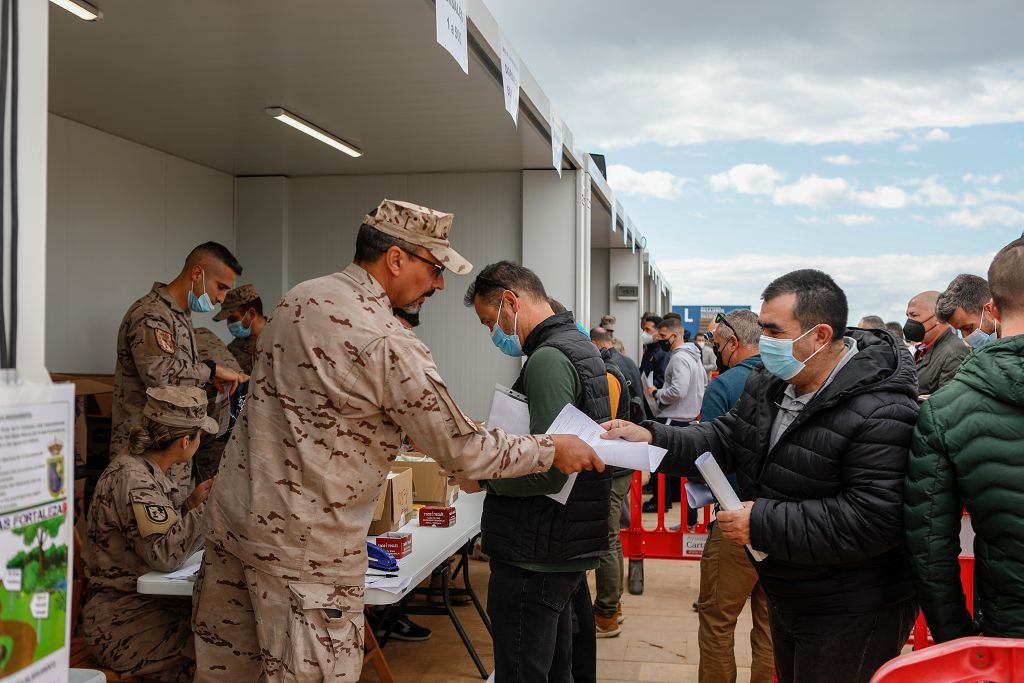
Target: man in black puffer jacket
x,y
819,443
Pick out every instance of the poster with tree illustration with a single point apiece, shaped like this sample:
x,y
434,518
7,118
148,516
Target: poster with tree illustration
x,y
35,536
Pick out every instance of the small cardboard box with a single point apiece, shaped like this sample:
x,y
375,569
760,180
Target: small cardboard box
x,y
394,502
437,516
430,483
398,543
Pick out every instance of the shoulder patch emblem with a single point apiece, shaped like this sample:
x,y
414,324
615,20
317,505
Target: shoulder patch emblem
x,y
154,519
164,340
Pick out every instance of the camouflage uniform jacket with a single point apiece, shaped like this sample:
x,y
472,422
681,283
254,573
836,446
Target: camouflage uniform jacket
x,y
337,380
155,347
137,523
244,350
210,347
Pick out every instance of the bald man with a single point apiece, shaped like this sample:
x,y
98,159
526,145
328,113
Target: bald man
x,y
939,350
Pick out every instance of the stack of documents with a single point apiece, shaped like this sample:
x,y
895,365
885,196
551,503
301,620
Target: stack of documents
x,y
189,570
389,583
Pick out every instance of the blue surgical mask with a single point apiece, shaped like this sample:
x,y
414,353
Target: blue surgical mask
x,y
979,338
777,356
507,343
238,329
200,304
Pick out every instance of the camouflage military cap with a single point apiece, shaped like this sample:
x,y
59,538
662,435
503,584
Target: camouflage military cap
x,y
235,299
179,407
423,226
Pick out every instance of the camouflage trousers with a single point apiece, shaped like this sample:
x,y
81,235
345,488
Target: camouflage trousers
x,y
146,637
254,626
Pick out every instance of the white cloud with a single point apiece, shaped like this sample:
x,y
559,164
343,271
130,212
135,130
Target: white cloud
x,y
874,285
656,184
842,160
987,216
851,219
883,197
936,135
747,179
987,195
909,147
932,193
983,179
813,190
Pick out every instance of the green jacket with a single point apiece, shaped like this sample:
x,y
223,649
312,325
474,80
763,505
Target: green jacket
x,y
968,452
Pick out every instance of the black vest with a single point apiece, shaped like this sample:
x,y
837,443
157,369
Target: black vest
x,y
536,528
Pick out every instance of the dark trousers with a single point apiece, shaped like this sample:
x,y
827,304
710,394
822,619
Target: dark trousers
x,y
584,636
835,648
532,617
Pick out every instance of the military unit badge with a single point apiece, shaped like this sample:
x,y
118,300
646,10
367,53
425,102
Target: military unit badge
x,y
164,340
55,476
156,513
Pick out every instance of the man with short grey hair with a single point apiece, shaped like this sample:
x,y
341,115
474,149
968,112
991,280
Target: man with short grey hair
x,y
871,322
966,305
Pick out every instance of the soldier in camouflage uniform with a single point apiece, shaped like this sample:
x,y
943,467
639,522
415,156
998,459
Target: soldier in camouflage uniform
x,y
139,522
243,309
337,380
156,344
207,460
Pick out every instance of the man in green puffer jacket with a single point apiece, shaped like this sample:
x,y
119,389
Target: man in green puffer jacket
x,y
968,452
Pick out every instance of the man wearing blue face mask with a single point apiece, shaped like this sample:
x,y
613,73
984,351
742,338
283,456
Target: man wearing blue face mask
x,y
243,309
818,442
540,550
966,305
156,343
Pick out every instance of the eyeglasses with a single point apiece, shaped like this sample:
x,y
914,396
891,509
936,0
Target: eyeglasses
x,y
438,268
719,320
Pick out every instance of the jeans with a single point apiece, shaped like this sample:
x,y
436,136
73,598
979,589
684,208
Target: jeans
x,y
584,636
532,618
610,573
839,648
727,579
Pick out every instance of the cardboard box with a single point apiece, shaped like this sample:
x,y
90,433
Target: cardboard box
x,y
398,543
437,516
394,502
430,483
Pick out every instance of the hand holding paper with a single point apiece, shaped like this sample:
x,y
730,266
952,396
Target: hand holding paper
x,y
727,498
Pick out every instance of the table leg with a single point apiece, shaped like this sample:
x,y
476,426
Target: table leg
x,y
374,653
464,567
446,595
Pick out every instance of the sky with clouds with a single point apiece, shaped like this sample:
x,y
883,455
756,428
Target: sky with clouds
x,y
881,142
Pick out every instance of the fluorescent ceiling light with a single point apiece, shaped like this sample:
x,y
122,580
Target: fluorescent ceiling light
x,y
285,116
79,8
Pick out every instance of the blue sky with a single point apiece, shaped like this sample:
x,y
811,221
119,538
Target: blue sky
x,y
880,143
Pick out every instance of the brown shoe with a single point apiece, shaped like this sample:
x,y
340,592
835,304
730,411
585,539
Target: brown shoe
x,y
607,627
618,614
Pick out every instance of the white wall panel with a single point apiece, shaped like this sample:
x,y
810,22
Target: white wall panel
x,y
120,216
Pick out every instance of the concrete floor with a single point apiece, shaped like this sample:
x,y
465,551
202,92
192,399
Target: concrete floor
x,y
658,640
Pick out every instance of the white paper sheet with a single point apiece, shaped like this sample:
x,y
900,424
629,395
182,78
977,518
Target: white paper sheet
x,y
510,79
395,584
636,456
698,495
722,489
450,17
651,403
189,570
509,411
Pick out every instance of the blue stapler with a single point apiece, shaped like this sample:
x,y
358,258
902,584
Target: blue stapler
x,y
380,559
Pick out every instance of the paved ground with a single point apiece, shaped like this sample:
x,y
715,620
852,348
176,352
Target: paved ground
x,y
658,642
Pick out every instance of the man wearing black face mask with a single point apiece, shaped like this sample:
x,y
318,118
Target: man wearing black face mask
x,y
939,351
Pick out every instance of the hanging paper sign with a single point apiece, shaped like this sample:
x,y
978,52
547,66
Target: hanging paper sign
x,y
557,141
451,30
510,79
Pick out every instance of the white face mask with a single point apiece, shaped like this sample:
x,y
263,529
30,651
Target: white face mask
x,y
646,338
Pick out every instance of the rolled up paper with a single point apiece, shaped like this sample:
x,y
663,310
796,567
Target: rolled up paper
x,y
719,485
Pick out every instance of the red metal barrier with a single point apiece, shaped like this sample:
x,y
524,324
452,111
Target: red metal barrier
x,y
965,660
661,542
921,637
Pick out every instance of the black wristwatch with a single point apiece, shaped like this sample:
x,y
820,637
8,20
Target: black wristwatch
x,y
213,368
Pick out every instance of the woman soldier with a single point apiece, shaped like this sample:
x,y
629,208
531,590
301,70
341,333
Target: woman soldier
x,y
140,522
